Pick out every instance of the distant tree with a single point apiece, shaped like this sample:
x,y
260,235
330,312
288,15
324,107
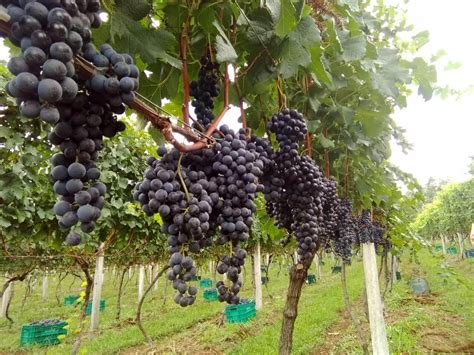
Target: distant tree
x,y
432,187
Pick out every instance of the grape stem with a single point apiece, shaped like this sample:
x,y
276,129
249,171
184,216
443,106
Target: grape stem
x,y
106,244
327,171
241,100
281,94
346,175
181,177
184,61
309,136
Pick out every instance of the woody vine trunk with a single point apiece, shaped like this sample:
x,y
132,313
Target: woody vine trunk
x,y
298,275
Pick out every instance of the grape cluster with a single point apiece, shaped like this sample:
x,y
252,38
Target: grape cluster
x,y
182,270
47,322
239,165
345,231
364,228
79,134
50,33
381,241
330,211
298,195
289,127
118,76
199,194
204,90
371,232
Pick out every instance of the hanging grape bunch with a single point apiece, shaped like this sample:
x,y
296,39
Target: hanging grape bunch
x,y
205,197
368,231
381,240
298,195
238,168
204,90
364,228
51,34
344,234
184,209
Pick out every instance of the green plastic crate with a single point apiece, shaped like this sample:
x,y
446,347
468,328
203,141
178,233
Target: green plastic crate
x,y
452,250
265,280
469,253
438,248
205,283
311,279
101,307
336,269
398,275
196,278
240,313
210,294
70,300
41,334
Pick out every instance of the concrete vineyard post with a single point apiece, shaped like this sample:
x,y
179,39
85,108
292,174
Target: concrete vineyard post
x,y
211,266
5,299
374,300
443,243
155,271
257,273
317,263
150,274
461,245
97,292
44,287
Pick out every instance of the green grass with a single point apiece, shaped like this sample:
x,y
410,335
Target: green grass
x,y
318,309
198,328
168,323
444,320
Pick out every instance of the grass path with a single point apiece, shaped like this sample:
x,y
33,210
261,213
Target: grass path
x,y
174,328
441,322
319,308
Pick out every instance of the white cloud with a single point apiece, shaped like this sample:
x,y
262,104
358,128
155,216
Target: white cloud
x,y
442,131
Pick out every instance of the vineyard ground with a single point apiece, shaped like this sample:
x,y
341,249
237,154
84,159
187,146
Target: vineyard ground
x,y
321,327
442,322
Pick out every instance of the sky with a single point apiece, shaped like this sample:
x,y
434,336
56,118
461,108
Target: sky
x,y
441,131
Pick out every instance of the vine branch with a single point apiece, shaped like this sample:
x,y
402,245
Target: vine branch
x,y
241,100
86,70
138,319
309,136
